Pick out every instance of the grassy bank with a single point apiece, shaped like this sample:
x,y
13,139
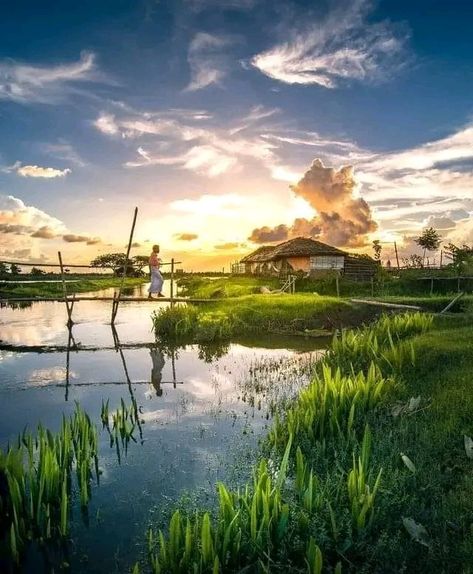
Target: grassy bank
x,y
220,287
368,470
44,289
249,314
384,286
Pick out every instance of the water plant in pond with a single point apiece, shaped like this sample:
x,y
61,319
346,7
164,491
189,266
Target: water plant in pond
x,y
35,502
120,424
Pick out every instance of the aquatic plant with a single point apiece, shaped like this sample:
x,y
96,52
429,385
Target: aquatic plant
x,y
36,501
121,424
331,406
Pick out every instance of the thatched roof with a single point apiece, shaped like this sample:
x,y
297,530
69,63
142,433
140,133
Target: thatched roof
x,y
298,247
259,255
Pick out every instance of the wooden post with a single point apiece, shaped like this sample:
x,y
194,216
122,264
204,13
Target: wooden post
x,y
172,282
372,287
64,291
337,285
441,258
458,284
431,285
397,257
116,301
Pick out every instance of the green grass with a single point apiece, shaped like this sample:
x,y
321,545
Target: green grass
x,y
434,303
221,287
43,289
281,313
369,463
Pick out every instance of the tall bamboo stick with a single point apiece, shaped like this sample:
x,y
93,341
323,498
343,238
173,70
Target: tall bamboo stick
x,y
117,300
64,291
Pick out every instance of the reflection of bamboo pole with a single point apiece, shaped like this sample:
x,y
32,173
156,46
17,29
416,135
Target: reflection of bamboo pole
x,y
119,349
173,364
64,291
117,301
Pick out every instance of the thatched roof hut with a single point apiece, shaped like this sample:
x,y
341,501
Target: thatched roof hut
x,y
302,254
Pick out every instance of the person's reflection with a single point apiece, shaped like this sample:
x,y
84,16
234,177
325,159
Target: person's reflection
x,y
157,358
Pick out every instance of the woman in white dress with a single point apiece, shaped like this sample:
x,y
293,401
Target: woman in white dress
x,y
157,280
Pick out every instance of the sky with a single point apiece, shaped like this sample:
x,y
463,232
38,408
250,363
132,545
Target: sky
x,y
231,124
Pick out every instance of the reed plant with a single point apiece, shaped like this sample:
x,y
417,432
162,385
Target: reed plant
x,y
35,504
120,424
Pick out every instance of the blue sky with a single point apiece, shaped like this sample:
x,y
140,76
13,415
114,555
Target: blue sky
x,y
209,116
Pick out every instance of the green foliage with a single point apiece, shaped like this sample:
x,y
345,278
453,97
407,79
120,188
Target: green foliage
x,y
36,503
254,314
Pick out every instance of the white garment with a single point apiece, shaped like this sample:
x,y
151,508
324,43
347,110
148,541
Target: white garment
x,y
156,281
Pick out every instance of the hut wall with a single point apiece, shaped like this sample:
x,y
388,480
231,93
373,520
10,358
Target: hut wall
x,y
299,263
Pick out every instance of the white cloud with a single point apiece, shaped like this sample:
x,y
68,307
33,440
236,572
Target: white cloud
x,y
63,150
42,172
342,47
206,60
19,222
25,83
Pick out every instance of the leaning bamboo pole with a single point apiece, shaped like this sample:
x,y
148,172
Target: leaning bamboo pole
x,y
64,291
116,301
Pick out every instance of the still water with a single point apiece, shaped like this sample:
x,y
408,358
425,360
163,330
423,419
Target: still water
x,y
202,410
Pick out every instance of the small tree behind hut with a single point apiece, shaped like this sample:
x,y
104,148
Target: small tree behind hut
x,y
461,257
429,241
377,248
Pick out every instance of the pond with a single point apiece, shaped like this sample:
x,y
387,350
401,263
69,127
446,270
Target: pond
x,y
202,411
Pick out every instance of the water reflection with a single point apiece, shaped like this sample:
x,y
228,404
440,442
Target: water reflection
x,y
201,409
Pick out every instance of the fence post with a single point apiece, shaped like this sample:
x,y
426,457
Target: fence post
x,y
372,287
397,257
431,285
337,285
172,281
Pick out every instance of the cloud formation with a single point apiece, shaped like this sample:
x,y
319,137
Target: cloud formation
x,y
206,60
345,46
26,83
186,236
44,232
342,219
73,238
43,172
192,141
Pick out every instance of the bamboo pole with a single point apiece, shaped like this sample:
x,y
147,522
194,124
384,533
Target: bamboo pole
x,y
117,301
172,282
397,257
64,290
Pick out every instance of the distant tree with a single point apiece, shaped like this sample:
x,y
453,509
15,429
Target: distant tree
x,y
429,241
3,268
377,248
36,271
140,261
15,269
118,262
461,257
413,261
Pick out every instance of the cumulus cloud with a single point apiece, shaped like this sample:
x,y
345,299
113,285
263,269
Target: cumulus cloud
x,y
342,218
44,232
73,238
186,236
206,60
25,83
344,46
26,219
42,172
228,246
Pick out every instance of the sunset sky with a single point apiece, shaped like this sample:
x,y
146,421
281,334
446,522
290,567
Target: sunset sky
x,y
232,123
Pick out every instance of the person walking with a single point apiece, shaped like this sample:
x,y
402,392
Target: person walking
x,y
157,280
